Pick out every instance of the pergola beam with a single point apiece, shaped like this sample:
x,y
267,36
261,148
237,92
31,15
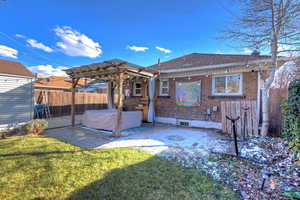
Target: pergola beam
x,y
89,74
136,74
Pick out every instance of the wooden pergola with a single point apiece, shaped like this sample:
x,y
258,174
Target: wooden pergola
x,y
116,72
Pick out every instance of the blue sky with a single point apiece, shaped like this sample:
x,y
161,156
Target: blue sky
x,y
50,35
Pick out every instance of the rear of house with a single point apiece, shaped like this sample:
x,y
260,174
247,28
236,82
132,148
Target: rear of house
x,y
16,93
190,89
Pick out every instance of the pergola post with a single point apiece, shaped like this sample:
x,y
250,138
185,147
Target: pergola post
x,y
120,83
74,84
110,95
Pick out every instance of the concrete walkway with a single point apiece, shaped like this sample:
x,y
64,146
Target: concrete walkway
x,y
159,139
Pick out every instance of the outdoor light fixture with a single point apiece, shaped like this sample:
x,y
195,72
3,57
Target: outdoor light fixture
x,y
266,175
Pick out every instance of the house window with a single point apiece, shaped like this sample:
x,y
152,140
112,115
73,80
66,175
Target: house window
x,y
137,89
164,87
227,85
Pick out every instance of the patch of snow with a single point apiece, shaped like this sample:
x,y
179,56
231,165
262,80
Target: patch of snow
x,y
186,142
253,151
284,75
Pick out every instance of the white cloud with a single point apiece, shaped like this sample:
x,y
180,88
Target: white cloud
x,y
20,36
48,70
8,52
283,47
136,48
74,43
247,50
163,49
287,50
35,44
219,52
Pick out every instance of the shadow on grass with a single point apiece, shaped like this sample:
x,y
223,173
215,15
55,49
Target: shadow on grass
x,y
39,153
151,179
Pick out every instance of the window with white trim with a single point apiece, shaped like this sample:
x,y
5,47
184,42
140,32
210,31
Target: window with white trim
x,y
137,89
164,87
227,85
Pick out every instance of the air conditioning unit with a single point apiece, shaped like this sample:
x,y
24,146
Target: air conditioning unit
x,y
183,123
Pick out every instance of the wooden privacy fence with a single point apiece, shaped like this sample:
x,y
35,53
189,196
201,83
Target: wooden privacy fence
x,y
277,95
234,109
60,101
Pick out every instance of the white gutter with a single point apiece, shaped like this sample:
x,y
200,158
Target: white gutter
x,y
216,66
14,75
231,71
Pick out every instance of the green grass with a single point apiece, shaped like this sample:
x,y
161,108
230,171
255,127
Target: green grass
x,y
44,168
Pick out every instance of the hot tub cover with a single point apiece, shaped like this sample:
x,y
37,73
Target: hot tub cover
x,y
106,119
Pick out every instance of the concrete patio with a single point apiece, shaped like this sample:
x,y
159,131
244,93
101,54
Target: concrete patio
x,y
154,139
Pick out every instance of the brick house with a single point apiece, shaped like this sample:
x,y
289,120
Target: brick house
x,y
216,77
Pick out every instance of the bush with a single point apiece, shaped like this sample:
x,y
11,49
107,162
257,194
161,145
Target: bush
x,y
291,109
35,127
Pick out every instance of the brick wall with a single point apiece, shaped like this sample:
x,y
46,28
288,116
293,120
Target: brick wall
x,y
166,106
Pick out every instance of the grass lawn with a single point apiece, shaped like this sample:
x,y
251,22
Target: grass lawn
x,y
44,168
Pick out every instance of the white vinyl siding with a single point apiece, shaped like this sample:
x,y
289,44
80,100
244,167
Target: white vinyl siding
x,y
16,99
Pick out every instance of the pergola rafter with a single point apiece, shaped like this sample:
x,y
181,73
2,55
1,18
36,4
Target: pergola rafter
x,y
114,71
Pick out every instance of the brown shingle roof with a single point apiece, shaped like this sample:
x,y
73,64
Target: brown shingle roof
x,y
57,82
14,68
201,59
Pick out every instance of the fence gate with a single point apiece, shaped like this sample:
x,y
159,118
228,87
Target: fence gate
x,y
234,109
277,95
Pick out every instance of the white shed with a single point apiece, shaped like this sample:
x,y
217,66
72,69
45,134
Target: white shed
x,y
16,93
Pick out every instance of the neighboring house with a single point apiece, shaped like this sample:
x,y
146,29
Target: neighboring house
x,y
16,93
56,83
191,88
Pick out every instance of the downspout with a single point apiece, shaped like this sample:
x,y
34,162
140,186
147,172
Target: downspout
x,y
151,85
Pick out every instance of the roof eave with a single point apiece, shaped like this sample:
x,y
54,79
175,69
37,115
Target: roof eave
x,y
208,67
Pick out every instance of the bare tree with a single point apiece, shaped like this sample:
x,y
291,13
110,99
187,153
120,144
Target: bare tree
x,y
272,25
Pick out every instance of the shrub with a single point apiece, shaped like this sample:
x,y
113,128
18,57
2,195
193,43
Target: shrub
x,y
35,127
291,110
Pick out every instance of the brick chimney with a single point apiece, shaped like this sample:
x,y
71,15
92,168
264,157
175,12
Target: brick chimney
x,y
255,53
